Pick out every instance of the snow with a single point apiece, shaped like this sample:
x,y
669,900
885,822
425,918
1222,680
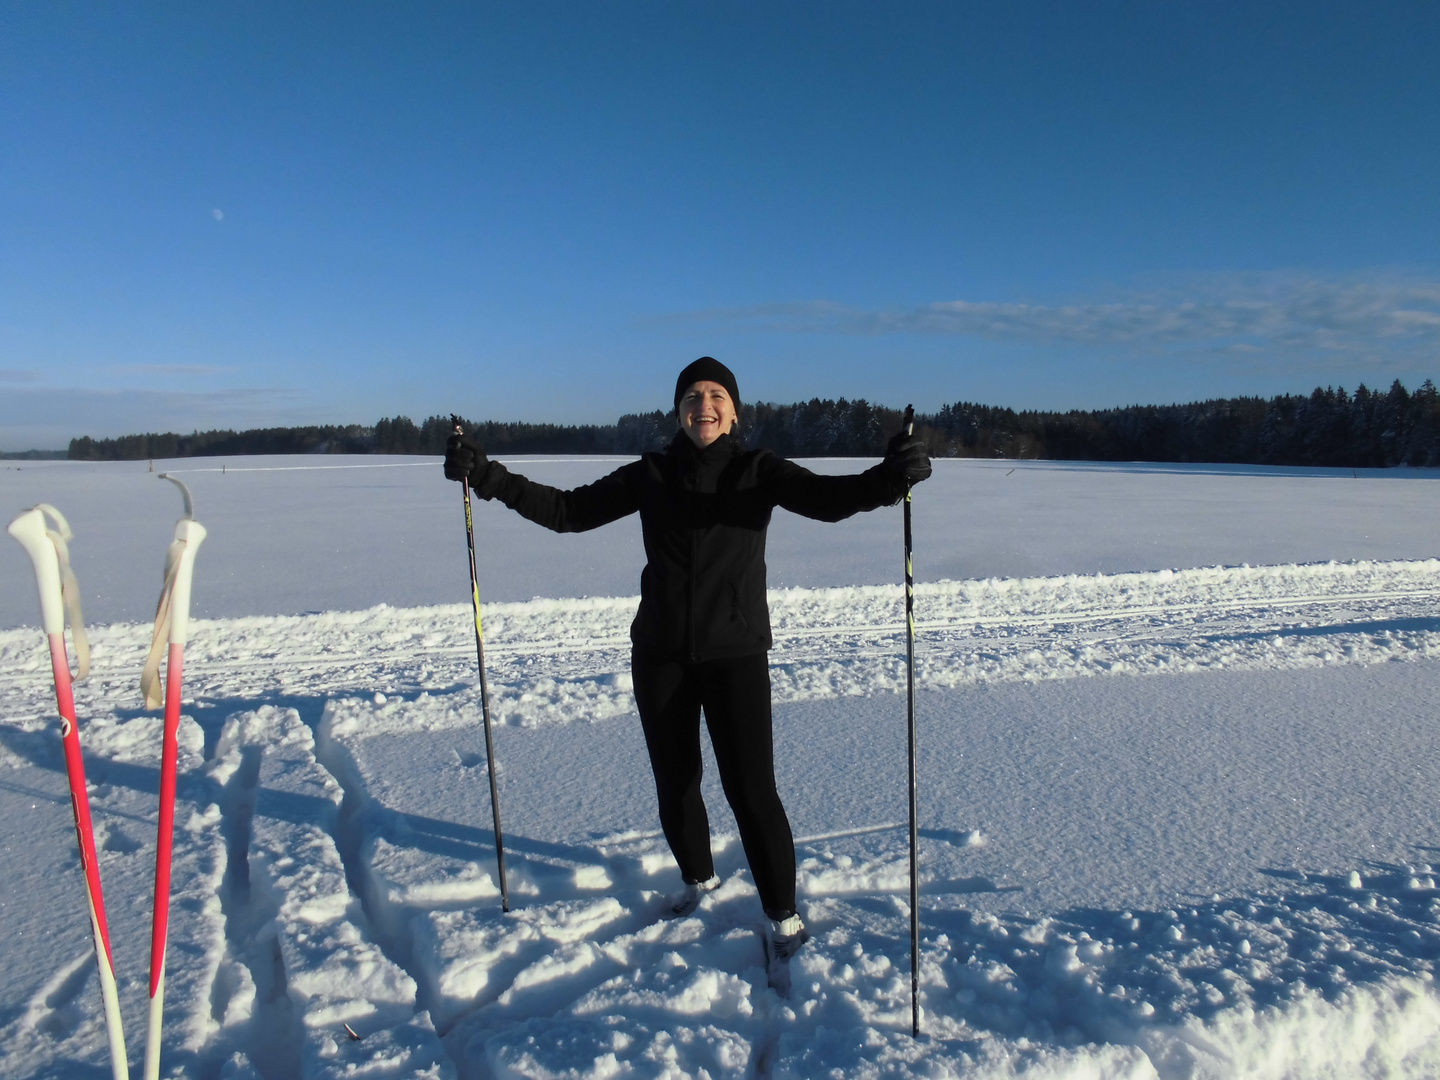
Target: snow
x,y
1177,775
289,535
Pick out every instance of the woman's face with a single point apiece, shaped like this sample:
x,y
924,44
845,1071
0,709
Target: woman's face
x,y
706,412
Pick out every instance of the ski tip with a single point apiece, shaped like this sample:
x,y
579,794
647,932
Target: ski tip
x,y
351,1032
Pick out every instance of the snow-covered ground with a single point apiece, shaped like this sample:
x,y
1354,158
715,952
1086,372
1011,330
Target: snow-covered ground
x,y
1178,772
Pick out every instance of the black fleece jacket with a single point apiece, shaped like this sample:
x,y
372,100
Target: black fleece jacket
x,y
703,514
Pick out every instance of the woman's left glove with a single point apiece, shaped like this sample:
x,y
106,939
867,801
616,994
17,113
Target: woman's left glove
x,y
906,457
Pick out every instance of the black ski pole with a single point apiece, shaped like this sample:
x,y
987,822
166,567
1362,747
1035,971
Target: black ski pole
x,y
910,725
484,687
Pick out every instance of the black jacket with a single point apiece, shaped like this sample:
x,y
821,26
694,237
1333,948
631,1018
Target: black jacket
x,y
703,514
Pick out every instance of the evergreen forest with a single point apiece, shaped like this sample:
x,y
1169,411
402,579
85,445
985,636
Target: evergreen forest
x,y
1329,427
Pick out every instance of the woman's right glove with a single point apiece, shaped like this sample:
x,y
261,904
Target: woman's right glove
x,y
906,457
465,460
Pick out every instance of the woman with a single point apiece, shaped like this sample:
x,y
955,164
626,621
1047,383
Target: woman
x,y
702,633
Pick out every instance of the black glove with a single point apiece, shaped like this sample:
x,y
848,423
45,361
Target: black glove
x,y
465,460
906,457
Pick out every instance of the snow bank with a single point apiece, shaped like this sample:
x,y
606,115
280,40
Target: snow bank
x,y
557,661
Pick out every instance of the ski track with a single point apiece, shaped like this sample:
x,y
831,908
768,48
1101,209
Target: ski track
x,y
561,660
311,900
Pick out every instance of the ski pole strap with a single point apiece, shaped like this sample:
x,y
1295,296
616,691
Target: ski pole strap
x,y
69,586
150,675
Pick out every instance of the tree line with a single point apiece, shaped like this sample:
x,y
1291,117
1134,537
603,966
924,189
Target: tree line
x,y
326,439
1329,427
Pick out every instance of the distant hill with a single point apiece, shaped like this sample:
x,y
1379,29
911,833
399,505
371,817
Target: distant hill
x,y
1330,427
33,455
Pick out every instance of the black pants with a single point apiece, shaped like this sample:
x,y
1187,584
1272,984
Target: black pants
x,y
735,697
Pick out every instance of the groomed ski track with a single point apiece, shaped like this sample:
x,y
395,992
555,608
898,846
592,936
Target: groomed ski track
x,y
333,866
968,632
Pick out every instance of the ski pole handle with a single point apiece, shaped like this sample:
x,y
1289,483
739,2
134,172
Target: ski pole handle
x,y
189,532
29,529
172,613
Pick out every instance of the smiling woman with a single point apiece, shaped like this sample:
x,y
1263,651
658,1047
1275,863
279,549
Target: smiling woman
x,y
706,400
701,637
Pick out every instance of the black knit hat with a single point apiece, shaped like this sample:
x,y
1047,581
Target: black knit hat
x,y
707,369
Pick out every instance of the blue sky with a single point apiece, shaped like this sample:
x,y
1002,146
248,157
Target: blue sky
x,y
260,213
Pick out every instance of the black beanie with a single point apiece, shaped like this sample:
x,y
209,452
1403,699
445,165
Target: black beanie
x,y
707,369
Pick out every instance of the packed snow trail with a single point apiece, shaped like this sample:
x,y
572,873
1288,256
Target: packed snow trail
x,y
563,660
1221,866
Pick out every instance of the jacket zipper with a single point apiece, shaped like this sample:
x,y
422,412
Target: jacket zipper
x,y
694,557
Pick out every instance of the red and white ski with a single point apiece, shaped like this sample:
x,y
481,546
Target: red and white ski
x,y
60,592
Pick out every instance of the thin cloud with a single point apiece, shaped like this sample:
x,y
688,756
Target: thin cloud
x,y
15,375
49,417
1355,318
170,369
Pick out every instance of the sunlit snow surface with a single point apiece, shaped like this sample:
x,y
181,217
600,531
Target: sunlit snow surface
x,y
1178,813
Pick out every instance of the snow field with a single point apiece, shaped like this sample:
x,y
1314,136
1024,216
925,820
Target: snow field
x,y
1174,823
355,862
1335,966
297,534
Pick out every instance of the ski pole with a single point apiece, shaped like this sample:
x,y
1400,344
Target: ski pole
x,y
484,687
910,725
172,619
58,592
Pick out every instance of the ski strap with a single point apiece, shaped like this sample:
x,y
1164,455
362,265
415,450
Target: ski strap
x,y
150,675
69,586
